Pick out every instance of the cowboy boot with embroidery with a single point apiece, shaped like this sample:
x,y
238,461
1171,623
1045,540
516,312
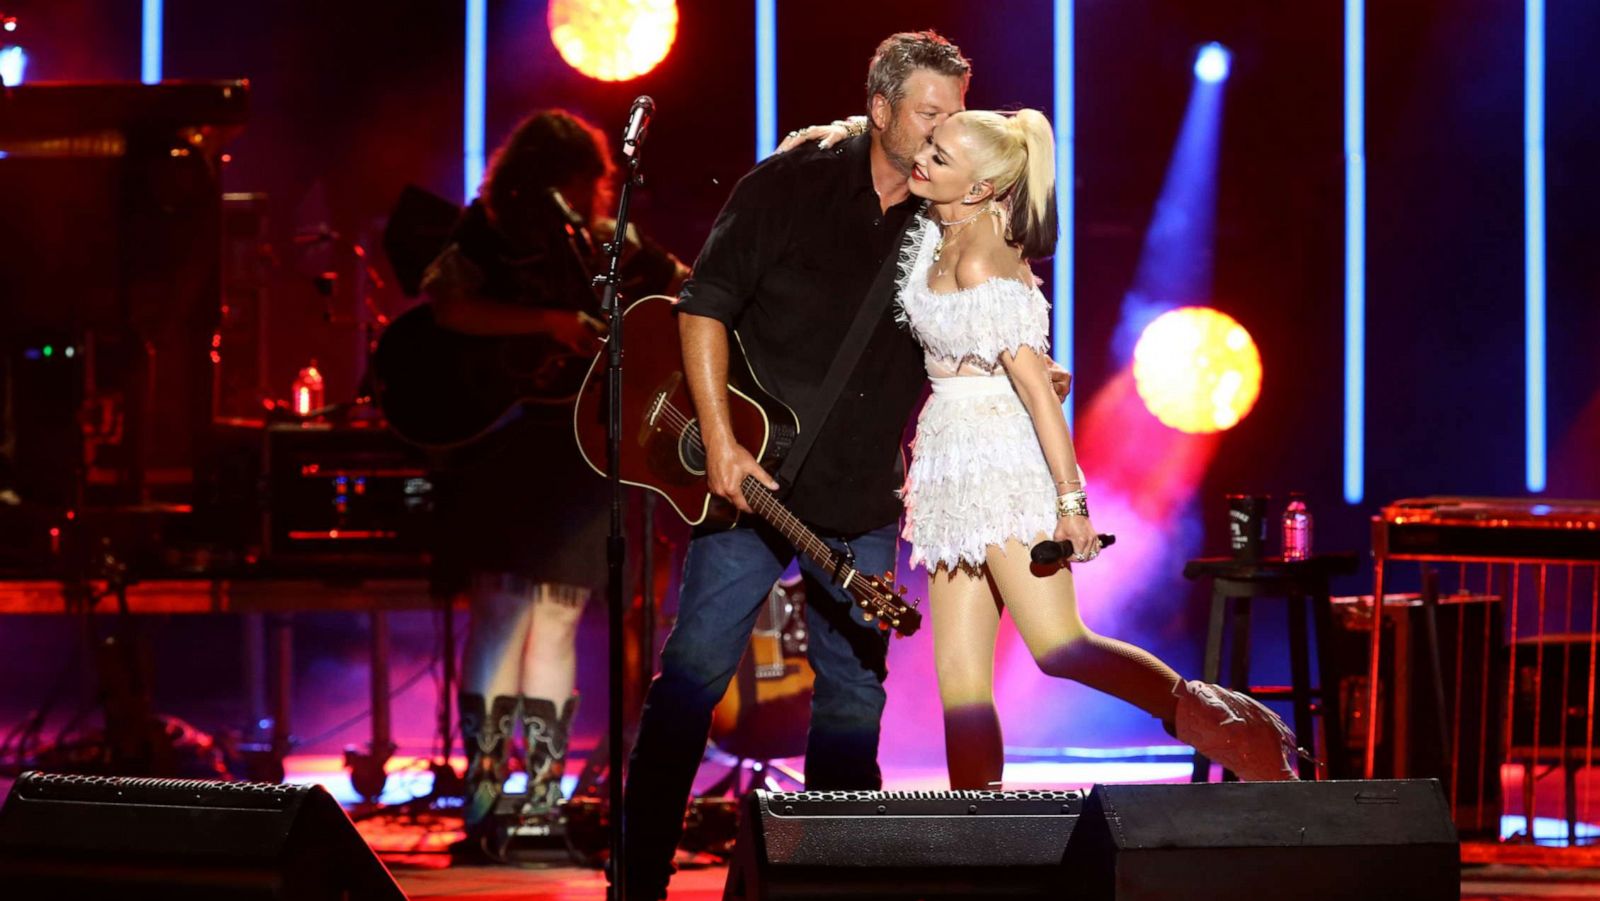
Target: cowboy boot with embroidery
x,y
486,735
545,731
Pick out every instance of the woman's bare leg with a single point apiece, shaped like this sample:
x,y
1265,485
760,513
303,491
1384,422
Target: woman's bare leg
x,y
549,653
491,662
1045,609
966,618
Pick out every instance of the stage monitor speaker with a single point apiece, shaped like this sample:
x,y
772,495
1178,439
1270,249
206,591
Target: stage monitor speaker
x,y
860,844
1312,841
65,836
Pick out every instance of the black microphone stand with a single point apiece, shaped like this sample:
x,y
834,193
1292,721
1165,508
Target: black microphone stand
x,y
616,542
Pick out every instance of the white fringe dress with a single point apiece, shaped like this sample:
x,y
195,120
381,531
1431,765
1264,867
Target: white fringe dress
x,y
978,475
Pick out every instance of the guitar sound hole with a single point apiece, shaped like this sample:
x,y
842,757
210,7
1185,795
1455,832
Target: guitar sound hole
x,y
691,452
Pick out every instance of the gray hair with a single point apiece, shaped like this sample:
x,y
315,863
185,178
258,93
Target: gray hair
x,y
902,54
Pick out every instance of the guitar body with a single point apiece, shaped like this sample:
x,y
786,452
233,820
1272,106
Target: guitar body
x,y
657,458
661,448
442,389
766,711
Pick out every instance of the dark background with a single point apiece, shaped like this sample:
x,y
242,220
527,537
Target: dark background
x,y
351,100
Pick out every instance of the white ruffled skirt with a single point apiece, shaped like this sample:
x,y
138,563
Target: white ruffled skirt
x,y
978,475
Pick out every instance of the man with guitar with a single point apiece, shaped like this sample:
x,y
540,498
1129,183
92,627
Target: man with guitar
x,y
801,263
521,521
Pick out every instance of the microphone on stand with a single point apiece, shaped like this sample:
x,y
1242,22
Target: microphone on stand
x,y
638,123
1047,552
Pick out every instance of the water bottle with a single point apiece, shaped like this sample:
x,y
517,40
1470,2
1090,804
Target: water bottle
x,y
307,390
1296,528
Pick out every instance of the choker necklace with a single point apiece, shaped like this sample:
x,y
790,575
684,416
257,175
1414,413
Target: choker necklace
x,y
947,228
962,221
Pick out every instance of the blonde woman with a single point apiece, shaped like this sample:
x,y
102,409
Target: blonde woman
x,y
993,468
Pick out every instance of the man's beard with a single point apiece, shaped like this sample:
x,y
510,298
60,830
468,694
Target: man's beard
x,y
899,147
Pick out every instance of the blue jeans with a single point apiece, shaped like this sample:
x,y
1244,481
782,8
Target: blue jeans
x,y
726,576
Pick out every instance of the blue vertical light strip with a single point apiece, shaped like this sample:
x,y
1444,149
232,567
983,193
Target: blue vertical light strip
x,y
766,78
150,43
1062,312
1355,252
1534,234
476,78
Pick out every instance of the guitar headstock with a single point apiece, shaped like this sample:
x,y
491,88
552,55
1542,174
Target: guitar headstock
x,y
884,602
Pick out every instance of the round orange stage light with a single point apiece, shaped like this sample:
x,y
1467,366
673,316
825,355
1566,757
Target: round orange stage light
x,y
613,40
1197,370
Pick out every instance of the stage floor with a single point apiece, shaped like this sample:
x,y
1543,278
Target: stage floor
x,y
415,848
1493,883
415,852
548,884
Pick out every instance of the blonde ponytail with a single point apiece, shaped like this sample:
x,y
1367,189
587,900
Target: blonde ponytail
x,y
1033,200
1016,153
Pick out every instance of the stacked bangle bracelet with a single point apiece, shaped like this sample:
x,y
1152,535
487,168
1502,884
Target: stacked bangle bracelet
x,y
1073,503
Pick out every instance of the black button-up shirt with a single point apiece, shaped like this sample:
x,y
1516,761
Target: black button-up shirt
x,y
791,258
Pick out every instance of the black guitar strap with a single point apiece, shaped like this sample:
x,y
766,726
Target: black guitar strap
x,y
868,315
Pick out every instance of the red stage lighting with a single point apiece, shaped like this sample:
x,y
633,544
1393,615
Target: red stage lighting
x,y
1197,370
613,40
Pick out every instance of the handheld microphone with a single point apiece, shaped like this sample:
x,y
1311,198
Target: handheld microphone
x,y
638,122
1047,552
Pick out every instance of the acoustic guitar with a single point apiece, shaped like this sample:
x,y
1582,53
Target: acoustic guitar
x,y
766,710
440,388
662,450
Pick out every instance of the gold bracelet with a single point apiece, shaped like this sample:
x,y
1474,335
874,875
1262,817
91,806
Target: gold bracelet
x,y
855,126
1073,503
1076,481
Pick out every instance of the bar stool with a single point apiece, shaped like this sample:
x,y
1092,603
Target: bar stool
x,y
1234,583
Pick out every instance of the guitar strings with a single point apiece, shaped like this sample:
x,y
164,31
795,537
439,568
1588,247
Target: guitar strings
x,y
760,496
763,499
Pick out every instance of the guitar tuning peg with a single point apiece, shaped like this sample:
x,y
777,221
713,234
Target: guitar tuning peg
x,y
889,576
902,591
863,605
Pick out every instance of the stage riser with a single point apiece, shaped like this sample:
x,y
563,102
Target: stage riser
x,y
1315,841
1312,841
65,836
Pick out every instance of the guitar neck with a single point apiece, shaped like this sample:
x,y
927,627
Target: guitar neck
x,y
668,455
806,541
876,596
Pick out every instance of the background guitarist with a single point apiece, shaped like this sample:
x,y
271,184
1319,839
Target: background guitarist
x,y
522,520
